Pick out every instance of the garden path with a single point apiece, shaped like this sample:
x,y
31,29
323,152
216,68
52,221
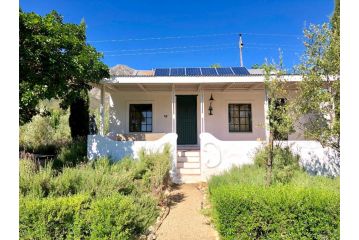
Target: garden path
x,y
185,220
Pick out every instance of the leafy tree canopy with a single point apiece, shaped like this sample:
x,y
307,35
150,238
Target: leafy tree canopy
x,y
55,62
319,92
215,65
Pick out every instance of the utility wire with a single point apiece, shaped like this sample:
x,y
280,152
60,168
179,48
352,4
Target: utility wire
x,y
248,45
169,48
196,36
195,50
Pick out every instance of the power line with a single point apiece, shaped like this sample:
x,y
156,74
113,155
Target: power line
x,y
167,48
196,36
196,46
195,50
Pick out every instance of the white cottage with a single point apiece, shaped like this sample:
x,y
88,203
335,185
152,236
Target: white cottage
x,y
213,118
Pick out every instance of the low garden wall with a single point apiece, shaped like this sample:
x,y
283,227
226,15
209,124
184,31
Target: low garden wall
x,y
218,156
101,146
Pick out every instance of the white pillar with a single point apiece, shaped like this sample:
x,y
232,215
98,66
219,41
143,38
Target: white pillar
x,y
266,119
202,112
102,111
173,117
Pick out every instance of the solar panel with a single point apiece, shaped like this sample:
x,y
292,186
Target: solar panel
x,y
240,71
209,72
177,72
224,71
162,72
206,71
193,72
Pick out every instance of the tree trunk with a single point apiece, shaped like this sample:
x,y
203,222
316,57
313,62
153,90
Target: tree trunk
x,y
270,159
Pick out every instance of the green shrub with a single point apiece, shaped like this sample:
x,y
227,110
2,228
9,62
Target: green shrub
x,y
154,169
118,200
35,181
285,163
246,174
307,207
114,217
80,217
277,212
45,133
52,218
72,154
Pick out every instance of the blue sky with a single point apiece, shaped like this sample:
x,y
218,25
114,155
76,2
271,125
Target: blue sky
x,y
205,32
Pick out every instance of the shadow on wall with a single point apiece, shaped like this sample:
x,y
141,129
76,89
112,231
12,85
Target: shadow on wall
x,y
327,166
98,146
218,156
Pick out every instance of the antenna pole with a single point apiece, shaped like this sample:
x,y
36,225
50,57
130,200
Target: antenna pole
x,y
240,50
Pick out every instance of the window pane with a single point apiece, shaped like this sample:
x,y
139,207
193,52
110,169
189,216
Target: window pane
x,y
140,118
239,117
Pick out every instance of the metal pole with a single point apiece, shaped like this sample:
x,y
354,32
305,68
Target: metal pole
x,y
240,49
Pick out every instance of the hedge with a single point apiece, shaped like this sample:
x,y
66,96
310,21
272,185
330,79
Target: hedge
x,y
277,212
79,217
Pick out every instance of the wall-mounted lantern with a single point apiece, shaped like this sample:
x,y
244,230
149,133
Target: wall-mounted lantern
x,y
210,108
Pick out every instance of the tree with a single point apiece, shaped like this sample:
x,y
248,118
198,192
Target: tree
x,y
319,92
279,116
257,66
215,65
55,63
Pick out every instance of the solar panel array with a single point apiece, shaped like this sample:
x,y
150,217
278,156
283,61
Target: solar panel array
x,y
225,71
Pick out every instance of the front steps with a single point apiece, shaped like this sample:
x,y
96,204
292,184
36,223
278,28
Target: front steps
x,y
189,165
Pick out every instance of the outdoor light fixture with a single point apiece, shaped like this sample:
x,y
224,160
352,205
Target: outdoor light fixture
x,y
210,109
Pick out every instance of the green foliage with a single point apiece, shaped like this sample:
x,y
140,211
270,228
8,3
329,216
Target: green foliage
x,y
35,181
52,218
278,212
215,65
47,132
73,153
285,163
279,115
155,169
319,92
246,175
307,207
100,199
114,217
55,61
96,113
81,217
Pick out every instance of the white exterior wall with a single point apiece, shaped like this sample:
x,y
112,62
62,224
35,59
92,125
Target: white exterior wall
x,y
218,156
161,106
216,124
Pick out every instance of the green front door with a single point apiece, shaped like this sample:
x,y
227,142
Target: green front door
x,y
186,119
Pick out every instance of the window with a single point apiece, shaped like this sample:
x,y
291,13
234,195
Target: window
x,y
240,117
140,118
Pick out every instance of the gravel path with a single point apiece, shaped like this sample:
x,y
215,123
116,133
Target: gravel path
x,y
185,220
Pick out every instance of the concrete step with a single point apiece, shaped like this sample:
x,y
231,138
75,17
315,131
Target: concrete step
x,y
190,179
188,159
188,165
185,153
188,171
